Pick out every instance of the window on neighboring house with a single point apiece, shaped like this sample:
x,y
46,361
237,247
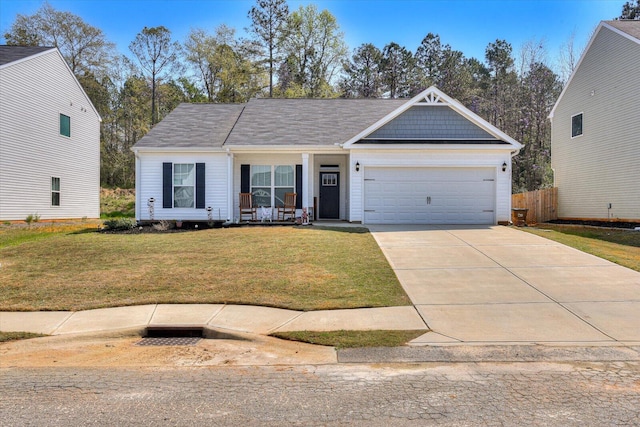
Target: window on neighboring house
x,y
65,125
576,125
270,183
55,191
184,185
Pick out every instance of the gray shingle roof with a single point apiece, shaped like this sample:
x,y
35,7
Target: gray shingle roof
x,y
630,27
307,121
10,54
193,126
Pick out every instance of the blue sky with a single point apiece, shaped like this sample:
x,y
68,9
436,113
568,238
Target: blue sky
x,y
466,25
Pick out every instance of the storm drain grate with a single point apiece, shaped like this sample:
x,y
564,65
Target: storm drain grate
x,y
172,335
160,341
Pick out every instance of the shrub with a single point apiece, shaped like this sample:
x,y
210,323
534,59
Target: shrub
x,y
120,224
32,218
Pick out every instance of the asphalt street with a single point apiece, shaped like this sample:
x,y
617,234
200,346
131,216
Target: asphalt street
x,y
451,394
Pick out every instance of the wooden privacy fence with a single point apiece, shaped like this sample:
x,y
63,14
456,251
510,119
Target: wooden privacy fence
x,y
542,205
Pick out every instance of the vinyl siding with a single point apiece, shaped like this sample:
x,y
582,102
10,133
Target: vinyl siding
x,y
602,165
426,158
149,184
34,94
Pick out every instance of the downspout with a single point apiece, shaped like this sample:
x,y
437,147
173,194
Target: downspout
x,y
305,181
138,187
230,185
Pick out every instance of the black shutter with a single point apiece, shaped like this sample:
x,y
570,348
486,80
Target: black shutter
x,y
200,186
167,185
245,178
299,186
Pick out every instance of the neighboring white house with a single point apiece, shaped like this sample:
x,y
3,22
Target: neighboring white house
x,y
595,133
428,160
49,138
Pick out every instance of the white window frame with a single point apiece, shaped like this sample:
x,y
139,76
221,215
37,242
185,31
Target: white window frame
x,y
273,202
581,125
329,179
182,185
55,191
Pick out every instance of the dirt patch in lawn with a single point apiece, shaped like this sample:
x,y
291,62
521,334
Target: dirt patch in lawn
x,y
120,350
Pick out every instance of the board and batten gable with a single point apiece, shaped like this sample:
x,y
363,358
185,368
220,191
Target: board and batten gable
x,y
35,91
601,167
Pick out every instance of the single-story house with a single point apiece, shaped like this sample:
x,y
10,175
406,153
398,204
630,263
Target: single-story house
x,y
49,138
427,160
595,129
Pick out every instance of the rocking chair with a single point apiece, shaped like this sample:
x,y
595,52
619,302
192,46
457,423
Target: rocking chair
x,y
289,207
246,206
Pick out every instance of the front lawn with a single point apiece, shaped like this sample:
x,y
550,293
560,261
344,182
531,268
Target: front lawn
x,y
621,246
287,267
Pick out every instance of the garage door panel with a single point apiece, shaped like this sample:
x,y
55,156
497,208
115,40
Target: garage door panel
x,y
429,195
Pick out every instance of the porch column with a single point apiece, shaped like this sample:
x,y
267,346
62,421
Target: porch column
x,y
230,194
305,181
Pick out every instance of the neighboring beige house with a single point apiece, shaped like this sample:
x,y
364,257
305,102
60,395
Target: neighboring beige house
x,y
49,138
427,160
595,136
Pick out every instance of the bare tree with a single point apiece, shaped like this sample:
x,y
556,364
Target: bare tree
x,y
568,58
84,47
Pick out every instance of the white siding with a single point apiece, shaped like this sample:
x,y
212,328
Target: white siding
x,y
34,93
149,184
603,165
433,158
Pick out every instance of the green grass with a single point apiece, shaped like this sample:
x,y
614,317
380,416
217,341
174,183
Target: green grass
x,y
616,245
294,268
15,234
353,339
15,336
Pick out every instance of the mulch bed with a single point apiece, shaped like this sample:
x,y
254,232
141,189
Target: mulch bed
x,y
608,224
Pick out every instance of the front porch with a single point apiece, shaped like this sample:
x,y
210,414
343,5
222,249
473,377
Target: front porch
x,y
319,180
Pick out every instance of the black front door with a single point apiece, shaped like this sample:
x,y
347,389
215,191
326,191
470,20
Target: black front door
x,y
329,195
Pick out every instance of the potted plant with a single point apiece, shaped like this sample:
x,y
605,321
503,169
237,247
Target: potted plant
x,y
178,223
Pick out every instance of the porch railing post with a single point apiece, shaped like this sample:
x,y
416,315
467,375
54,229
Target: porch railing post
x,y
305,181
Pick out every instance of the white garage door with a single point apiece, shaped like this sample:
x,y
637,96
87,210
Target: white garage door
x,y
429,195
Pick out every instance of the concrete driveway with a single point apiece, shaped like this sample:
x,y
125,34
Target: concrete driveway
x,y
494,284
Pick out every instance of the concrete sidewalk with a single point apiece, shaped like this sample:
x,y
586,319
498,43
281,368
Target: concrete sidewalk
x,y
240,318
499,285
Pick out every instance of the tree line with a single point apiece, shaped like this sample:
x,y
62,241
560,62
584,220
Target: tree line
x,y
295,54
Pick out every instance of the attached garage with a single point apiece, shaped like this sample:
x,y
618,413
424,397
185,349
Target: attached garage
x,y
430,195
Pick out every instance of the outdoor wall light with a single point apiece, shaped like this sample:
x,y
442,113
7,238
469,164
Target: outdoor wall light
x,y
504,167
357,166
